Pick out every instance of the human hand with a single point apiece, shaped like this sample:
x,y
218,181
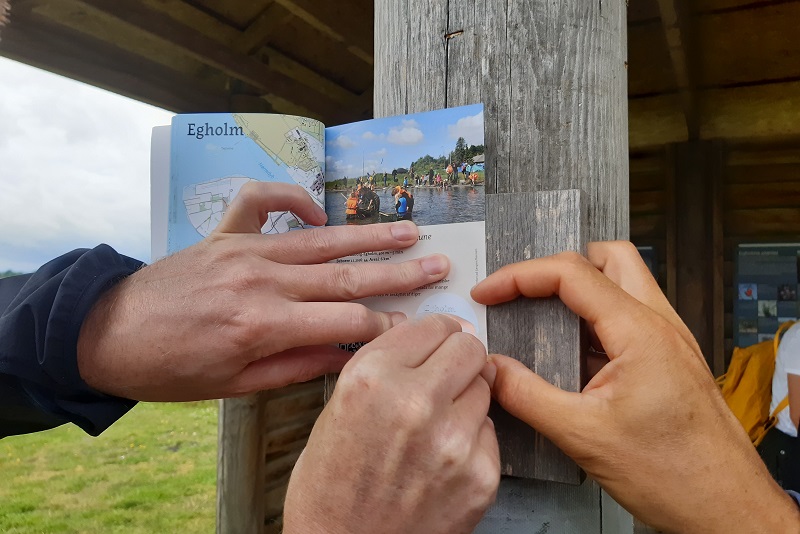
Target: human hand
x,y
651,426
405,444
240,311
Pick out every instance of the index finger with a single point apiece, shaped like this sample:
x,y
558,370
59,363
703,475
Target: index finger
x,y
411,342
320,245
615,315
622,263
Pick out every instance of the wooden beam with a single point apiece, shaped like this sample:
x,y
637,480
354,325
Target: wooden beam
x,y
259,32
341,21
210,52
69,53
527,328
655,121
694,164
768,111
240,465
717,188
675,29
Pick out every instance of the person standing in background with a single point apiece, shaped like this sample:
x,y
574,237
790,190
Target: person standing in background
x,y
780,449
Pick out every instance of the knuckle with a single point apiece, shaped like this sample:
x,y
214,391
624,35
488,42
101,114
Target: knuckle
x,y
440,326
470,345
485,479
242,277
414,411
454,451
249,191
361,316
320,241
348,280
572,258
245,332
357,380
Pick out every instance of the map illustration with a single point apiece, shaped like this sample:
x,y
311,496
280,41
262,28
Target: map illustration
x,y
214,155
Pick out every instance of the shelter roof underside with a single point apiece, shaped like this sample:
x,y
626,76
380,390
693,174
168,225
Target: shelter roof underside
x,y
701,69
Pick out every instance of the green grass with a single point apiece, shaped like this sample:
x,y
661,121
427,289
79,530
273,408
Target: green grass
x,y
153,471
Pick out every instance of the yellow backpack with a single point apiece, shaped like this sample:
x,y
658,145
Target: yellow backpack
x,y
747,386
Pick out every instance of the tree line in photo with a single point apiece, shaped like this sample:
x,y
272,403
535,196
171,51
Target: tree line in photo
x,y
426,170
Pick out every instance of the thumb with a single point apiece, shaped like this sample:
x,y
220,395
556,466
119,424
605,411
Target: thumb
x,y
256,200
555,413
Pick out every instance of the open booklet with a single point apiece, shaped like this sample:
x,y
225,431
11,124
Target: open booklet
x,y
426,167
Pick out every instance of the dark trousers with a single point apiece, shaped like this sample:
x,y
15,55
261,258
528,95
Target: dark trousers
x,y
781,454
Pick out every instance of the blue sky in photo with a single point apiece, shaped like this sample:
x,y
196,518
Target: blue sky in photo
x,y
380,145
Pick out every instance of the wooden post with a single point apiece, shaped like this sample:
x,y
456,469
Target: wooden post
x,y
552,77
698,230
240,466
240,434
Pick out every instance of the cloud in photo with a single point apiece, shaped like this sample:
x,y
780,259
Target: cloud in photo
x,y
470,128
406,134
344,142
371,136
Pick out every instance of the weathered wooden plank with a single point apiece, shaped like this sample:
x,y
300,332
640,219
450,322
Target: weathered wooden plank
x,y
198,46
741,113
240,466
527,55
756,223
671,252
642,11
749,46
534,507
648,202
761,174
763,195
718,206
762,154
647,162
653,225
656,121
542,334
649,70
675,27
648,181
694,302
94,61
346,22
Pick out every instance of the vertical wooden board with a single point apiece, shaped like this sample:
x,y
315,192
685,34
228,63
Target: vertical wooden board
x,y
487,78
240,466
463,74
717,260
534,507
427,65
391,41
490,85
694,275
542,333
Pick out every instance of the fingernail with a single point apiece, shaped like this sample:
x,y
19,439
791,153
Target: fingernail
x,y
397,317
435,264
404,230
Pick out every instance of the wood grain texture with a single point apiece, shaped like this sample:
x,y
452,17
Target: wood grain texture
x,y
240,466
541,333
552,79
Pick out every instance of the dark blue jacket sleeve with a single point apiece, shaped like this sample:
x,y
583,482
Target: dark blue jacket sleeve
x,y
40,318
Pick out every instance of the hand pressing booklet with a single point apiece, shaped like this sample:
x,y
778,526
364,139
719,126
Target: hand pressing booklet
x,y
426,167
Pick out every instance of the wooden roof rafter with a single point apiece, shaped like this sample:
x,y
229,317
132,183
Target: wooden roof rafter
x,y
677,33
228,54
